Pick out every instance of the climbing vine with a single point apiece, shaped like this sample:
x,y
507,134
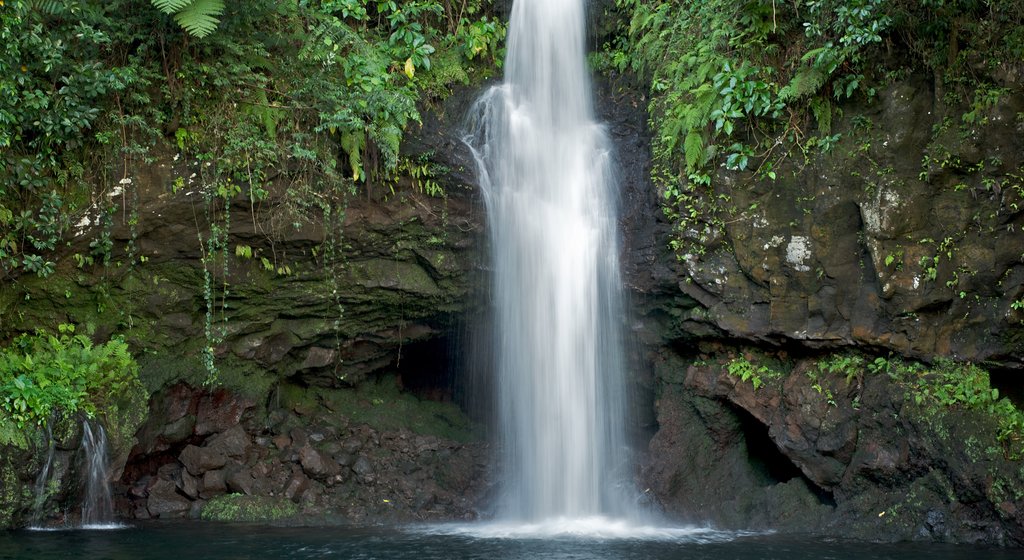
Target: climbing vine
x,y
88,90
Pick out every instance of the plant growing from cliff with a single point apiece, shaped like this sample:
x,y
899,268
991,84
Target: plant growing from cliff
x,y
90,87
849,366
44,374
756,375
955,384
743,85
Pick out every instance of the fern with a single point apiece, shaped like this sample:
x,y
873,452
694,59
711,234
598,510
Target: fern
x,y
822,109
806,82
171,7
693,146
48,7
197,17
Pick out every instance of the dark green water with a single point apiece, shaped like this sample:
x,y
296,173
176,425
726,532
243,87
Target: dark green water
x,y
193,541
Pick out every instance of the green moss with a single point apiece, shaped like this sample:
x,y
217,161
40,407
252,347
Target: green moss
x,y
384,406
125,415
252,509
8,496
162,370
10,435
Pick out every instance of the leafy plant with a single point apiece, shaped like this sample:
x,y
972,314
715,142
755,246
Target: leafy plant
x,y
44,374
955,384
482,38
198,17
89,87
847,365
744,84
757,375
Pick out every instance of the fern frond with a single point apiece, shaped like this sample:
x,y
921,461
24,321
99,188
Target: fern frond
x,y
197,17
822,110
693,147
171,6
48,7
807,81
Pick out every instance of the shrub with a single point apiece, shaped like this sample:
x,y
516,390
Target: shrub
x,y
44,374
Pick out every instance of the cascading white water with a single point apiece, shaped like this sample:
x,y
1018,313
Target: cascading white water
x,y
545,167
97,507
43,478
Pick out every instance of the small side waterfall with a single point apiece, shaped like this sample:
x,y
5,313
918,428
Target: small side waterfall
x,y
97,506
43,479
97,511
546,170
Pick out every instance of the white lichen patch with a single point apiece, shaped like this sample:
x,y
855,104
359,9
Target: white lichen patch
x,y
774,242
91,217
878,216
797,253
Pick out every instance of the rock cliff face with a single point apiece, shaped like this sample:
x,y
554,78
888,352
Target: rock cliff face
x,y
906,236
857,458
353,298
903,240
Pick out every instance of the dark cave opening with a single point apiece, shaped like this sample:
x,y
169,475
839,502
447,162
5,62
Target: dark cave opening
x,y
768,461
426,369
1010,384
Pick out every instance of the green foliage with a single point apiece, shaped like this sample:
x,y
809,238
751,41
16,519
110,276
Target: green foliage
x,y
756,375
847,365
44,374
88,88
198,17
740,84
53,79
482,38
251,509
423,174
956,384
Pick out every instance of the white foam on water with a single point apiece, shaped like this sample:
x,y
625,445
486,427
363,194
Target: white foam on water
x,y
594,528
87,527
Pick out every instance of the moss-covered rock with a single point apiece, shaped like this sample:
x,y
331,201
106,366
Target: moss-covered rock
x,y
882,450
252,509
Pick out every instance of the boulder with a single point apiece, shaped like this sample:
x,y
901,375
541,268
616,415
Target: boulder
x,y
165,502
231,443
199,460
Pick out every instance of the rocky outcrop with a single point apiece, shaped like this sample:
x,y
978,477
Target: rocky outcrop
x,y
815,452
903,239
43,468
303,287
904,236
320,284
342,453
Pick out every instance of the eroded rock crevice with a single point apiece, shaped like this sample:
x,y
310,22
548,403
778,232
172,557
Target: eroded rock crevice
x,y
813,451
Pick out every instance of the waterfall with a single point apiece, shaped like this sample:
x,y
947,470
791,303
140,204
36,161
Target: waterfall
x,y
546,171
97,507
43,478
